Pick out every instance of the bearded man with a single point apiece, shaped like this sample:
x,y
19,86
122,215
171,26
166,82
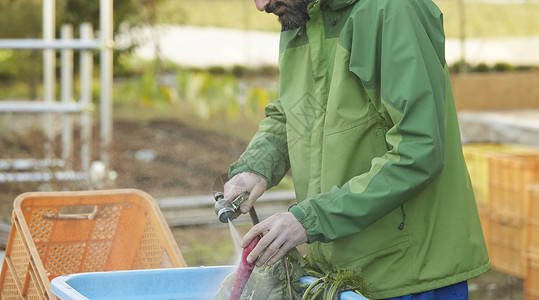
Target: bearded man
x,y
367,124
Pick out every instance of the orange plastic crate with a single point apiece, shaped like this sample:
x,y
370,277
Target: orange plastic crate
x,y
531,281
476,156
19,277
484,219
506,242
509,177
533,220
59,233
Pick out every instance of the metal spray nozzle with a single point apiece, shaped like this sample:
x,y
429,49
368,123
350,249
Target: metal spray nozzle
x,y
227,210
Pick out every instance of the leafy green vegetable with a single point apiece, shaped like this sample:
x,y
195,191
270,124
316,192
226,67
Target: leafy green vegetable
x,y
271,283
331,285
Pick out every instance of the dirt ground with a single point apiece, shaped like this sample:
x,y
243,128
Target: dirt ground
x,y
167,158
187,161
163,158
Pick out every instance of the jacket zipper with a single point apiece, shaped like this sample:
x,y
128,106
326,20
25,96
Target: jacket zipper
x,y
401,225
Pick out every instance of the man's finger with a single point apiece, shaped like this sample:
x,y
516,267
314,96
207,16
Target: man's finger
x,y
231,190
273,249
255,193
254,231
263,250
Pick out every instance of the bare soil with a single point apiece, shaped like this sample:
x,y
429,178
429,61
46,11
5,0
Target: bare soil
x,y
164,158
187,161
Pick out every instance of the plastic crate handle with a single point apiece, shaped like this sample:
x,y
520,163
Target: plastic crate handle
x,y
73,216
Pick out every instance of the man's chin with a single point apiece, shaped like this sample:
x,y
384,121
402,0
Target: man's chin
x,y
292,17
291,24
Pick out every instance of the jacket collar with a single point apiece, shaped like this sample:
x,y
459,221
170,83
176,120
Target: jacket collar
x,y
337,4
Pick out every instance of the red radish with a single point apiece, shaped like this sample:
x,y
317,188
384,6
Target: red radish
x,y
244,271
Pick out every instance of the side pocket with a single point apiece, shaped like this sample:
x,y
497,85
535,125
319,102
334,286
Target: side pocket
x,y
401,225
380,236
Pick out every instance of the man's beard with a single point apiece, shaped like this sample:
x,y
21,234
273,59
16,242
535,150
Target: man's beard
x,y
293,15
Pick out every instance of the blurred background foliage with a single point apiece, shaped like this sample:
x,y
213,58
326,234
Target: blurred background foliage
x,y
21,19
494,18
236,94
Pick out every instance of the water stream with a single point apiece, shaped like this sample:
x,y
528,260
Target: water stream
x,y
236,240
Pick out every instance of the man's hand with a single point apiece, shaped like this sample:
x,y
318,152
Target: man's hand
x,y
245,182
284,233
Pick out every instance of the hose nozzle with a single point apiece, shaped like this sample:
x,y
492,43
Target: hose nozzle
x,y
227,210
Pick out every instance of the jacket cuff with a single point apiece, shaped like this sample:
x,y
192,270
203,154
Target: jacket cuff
x,y
301,216
238,170
297,212
245,168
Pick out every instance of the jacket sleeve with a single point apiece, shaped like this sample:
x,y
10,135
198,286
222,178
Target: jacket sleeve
x,y
397,55
267,153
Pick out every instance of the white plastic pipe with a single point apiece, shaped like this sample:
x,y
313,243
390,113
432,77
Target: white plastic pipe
x,y
107,44
67,95
38,44
86,65
49,63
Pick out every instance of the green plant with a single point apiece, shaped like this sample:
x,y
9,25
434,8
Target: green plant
x,y
503,67
153,92
329,286
482,67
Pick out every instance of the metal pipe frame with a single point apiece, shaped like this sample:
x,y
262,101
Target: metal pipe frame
x,y
30,163
43,176
49,63
86,44
86,71
66,84
38,44
44,107
106,31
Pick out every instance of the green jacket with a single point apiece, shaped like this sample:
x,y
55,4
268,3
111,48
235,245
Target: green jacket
x,y
367,124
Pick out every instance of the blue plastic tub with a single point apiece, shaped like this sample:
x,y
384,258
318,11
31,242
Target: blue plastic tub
x,y
157,284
